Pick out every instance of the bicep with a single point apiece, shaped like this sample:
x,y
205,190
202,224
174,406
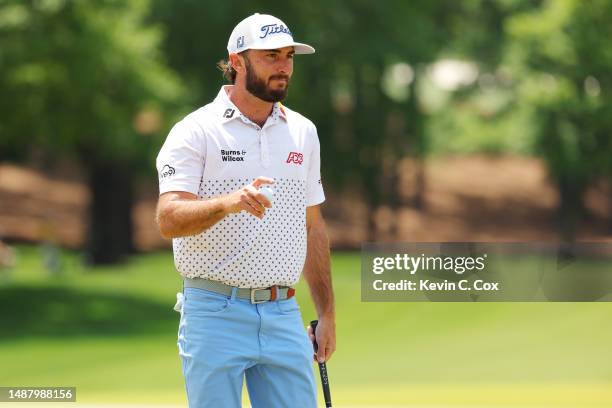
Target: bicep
x,y
181,159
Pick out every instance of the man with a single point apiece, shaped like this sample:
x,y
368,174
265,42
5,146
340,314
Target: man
x,y
240,249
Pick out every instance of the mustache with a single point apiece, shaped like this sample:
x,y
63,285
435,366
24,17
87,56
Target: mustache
x,y
279,76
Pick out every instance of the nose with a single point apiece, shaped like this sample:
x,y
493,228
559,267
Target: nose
x,y
285,66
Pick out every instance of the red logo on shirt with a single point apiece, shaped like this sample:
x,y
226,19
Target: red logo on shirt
x,y
295,157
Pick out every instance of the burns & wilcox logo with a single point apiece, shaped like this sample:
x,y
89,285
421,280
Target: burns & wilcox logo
x,y
233,155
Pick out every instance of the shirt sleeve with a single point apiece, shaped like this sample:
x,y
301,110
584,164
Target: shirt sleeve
x,y
314,186
180,162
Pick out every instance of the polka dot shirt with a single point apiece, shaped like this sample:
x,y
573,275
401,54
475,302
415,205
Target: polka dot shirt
x,y
217,150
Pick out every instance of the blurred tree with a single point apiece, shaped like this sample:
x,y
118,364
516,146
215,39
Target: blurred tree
x,y
542,88
84,79
364,130
541,84
561,57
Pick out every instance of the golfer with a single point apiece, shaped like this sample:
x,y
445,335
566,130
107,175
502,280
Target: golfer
x,y
240,194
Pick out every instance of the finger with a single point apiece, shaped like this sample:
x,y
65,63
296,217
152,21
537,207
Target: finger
x,y
250,206
251,198
321,355
263,200
328,352
260,198
248,198
310,335
259,181
321,351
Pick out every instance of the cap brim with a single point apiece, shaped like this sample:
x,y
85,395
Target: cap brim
x,y
299,48
303,48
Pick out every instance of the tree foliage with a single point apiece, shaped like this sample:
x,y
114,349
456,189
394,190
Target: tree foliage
x,y
85,80
93,79
561,58
76,75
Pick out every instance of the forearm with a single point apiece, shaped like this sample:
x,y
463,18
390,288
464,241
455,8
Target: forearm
x,y
190,217
317,271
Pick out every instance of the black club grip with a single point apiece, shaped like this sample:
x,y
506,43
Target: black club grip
x,y
322,368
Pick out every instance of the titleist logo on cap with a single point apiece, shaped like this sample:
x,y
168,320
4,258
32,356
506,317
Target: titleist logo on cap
x,y
269,29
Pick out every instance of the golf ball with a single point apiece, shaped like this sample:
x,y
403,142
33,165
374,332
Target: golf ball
x,y
267,192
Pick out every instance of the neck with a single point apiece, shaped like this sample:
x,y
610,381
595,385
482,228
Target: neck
x,y
249,105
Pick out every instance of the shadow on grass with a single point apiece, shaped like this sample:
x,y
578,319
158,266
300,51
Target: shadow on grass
x,y
64,312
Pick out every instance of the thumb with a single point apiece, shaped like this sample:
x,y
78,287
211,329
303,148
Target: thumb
x,y
309,332
262,180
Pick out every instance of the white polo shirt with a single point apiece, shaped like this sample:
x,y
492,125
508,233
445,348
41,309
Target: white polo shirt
x,y
216,150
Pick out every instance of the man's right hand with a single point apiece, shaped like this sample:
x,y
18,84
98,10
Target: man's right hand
x,y
249,198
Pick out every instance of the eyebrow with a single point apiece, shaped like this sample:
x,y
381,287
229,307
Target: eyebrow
x,y
278,52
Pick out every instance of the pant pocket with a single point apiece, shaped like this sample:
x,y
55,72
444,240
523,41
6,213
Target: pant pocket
x,y
200,301
288,306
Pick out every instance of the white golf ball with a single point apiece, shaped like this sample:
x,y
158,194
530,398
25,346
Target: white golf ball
x,y
267,192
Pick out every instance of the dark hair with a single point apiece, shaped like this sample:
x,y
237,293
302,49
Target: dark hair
x,y
229,73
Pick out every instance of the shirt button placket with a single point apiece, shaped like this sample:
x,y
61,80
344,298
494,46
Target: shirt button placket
x,y
263,146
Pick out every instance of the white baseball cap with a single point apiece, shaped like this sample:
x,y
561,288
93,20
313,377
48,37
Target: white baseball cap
x,y
263,32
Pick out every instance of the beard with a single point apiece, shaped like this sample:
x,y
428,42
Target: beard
x,y
261,89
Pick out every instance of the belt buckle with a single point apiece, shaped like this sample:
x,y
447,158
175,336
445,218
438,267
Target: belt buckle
x,y
253,290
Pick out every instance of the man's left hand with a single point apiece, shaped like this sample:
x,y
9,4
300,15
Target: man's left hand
x,y
326,338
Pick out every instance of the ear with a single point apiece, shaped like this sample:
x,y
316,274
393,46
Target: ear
x,y
237,62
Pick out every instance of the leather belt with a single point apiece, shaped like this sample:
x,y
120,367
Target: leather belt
x,y
255,295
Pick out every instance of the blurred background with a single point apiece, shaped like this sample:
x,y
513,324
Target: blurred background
x,y
474,120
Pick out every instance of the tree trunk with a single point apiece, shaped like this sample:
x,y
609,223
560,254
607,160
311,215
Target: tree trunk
x,y
570,208
419,196
110,232
610,206
418,146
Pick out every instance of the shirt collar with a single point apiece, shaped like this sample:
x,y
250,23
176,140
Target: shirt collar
x,y
228,111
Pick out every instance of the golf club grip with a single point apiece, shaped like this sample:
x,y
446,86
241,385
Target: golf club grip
x,y
325,384
313,325
322,369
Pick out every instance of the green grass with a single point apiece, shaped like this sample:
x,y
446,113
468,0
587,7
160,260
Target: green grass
x,y
112,333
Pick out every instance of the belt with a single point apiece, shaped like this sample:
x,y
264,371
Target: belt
x,y
255,295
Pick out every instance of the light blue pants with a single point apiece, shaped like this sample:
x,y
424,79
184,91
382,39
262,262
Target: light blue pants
x,y
223,339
